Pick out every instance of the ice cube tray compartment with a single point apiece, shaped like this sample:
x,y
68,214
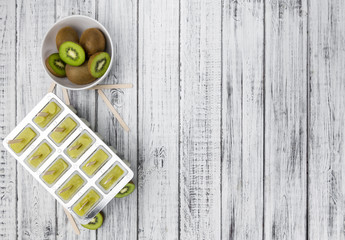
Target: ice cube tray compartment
x,y
43,161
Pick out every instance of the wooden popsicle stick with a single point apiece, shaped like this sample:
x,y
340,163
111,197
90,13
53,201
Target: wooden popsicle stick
x,y
35,157
87,201
52,87
108,179
65,96
113,110
49,172
91,163
15,141
111,86
76,147
71,220
42,114
59,129
65,189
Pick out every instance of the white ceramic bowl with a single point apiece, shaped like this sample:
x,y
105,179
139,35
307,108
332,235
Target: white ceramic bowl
x,y
79,23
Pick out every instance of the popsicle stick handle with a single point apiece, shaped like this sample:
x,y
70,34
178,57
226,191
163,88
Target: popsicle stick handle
x,y
49,172
65,96
113,110
91,163
16,141
83,205
59,129
52,87
71,220
42,114
65,189
111,86
75,147
108,179
35,157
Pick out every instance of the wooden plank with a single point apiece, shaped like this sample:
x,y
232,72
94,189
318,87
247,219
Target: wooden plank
x,y
8,190
326,121
120,19
285,119
200,108
85,103
36,207
242,119
158,119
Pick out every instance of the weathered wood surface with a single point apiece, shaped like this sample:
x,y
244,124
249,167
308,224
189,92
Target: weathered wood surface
x,y
236,118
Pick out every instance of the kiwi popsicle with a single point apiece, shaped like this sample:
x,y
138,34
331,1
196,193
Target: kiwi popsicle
x,y
95,162
47,114
78,147
63,129
39,156
86,203
54,171
22,140
70,188
111,177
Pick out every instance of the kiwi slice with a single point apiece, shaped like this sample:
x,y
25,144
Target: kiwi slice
x,y
95,223
93,41
55,65
66,34
98,64
72,53
128,189
79,75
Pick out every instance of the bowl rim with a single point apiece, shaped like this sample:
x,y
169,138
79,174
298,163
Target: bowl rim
x,y
111,50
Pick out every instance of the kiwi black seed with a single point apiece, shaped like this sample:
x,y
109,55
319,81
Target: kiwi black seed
x,y
128,189
55,65
98,64
79,75
95,223
66,34
93,41
72,53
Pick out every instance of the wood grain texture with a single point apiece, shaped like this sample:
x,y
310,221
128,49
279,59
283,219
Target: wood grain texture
x,y
200,107
85,103
120,18
326,121
242,120
285,119
8,188
33,20
158,119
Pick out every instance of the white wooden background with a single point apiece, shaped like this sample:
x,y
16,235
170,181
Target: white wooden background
x,y
237,118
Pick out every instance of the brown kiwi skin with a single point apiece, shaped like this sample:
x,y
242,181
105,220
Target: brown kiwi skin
x,y
93,41
51,70
79,75
66,34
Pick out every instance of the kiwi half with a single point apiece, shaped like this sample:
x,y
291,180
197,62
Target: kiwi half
x,y
55,65
66,34
93,41
98,64
79,75
95,223
72,53
128,189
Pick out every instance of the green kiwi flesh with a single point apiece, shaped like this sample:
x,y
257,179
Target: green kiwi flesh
x,y
72,53
79,75
98,64
66,34
55,65
95,223
93,41
128,189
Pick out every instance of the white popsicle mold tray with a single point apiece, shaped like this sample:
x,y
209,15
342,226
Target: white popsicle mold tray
x,y
59,151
